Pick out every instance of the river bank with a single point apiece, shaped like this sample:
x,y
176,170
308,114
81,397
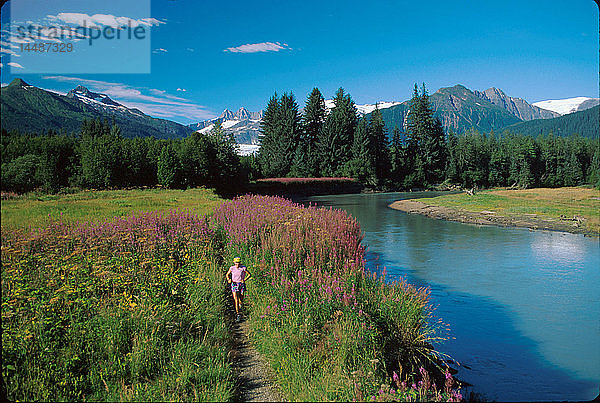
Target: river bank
x,y
573,210
522,305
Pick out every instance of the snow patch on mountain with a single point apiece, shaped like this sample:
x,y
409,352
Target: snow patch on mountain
x,y
568,105
365,108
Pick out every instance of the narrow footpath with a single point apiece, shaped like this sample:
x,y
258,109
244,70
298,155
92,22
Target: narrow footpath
x,y
254,374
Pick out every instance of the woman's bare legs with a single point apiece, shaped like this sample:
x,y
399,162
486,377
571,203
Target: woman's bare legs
x,y
236,302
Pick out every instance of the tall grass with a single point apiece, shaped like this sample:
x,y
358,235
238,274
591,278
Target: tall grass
x,y
126,309
331,330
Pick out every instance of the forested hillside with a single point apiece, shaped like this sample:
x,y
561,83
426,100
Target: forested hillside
x,y
585,123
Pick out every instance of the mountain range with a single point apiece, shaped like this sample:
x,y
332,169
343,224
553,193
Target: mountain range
x,y
458,108
244,125
30,109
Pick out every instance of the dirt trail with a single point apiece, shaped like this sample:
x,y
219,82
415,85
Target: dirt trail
x,y
255,376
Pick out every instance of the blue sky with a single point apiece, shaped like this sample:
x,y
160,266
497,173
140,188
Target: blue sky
x,y
208,56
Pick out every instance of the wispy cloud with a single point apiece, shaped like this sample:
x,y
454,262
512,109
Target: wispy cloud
x,y
65,26
14,64
102,20
152,101
181,89
259,47
160,50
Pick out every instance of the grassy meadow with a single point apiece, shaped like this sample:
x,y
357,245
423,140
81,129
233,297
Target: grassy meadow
x,y
123,297
35,209
566,203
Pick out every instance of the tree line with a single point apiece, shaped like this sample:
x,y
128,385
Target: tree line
x,y
99,157
314,143
340,143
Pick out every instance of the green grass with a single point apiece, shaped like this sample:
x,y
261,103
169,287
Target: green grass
x,y
133,308
568,202
124,314
36,209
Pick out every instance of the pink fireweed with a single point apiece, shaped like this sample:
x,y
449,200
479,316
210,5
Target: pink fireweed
x,y
309,273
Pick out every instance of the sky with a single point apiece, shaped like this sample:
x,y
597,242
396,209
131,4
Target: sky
x,y
193,59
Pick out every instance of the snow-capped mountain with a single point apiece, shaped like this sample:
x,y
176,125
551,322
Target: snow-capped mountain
x,y
31,109
568,105
101,101
244,125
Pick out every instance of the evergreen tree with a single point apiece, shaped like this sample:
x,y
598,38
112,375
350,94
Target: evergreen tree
x,y
379,151
289,134
306,160
268,134
281,133
414,138
335,142
396,156
452,168
594,168
426,148
360,166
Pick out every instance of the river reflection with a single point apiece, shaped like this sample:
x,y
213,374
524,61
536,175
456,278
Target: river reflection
x,y
523,305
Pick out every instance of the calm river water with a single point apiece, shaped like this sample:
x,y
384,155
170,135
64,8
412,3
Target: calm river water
x,y
524,306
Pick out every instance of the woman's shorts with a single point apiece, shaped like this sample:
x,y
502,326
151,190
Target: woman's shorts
x,y
238,287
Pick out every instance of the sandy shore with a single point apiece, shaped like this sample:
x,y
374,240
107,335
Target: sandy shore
x,y
531,221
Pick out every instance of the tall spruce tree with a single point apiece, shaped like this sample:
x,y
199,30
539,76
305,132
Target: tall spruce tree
x,y
426,142
268,135
380,150
360,166
306,160
281,133
396,158
335,142
415,128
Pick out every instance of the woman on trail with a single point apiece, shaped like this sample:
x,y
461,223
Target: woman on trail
x,y
237,275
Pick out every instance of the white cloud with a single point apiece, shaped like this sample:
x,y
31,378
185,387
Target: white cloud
x,y
10,52
151,101
181,89
259,47
13,64
160,50
82,19
190,49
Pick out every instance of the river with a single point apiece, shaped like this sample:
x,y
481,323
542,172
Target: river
x,y
523,306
